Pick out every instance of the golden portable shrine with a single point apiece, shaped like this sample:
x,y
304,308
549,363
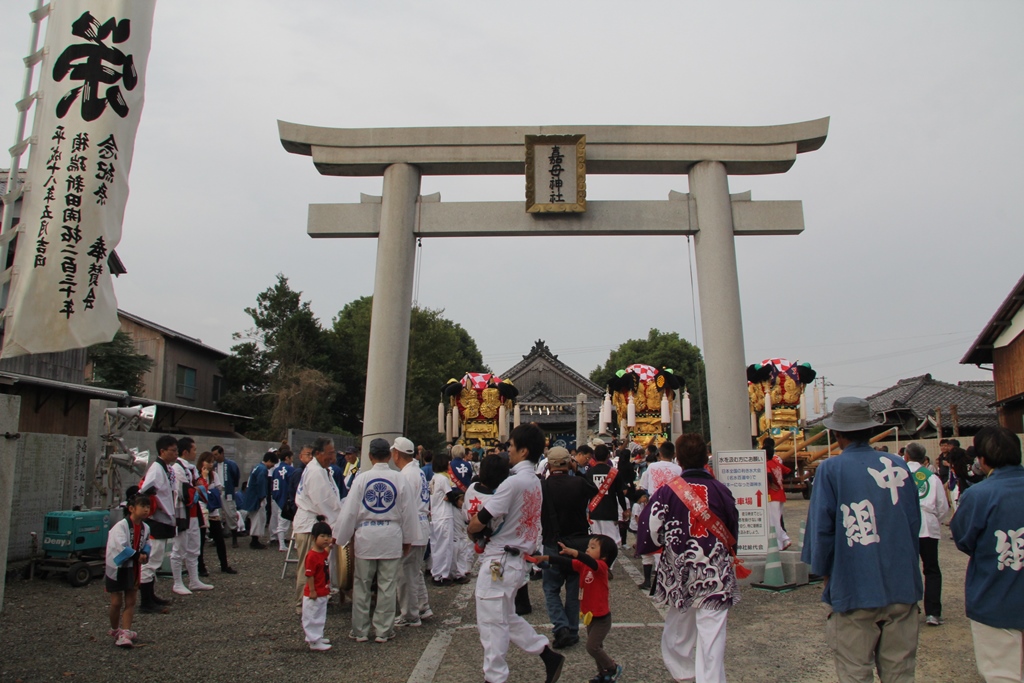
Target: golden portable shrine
x,y
778,411
647,404
475,410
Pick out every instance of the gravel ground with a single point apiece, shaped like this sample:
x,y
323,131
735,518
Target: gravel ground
x,y
247,629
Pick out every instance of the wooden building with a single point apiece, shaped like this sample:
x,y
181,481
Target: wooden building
x,y
1001,345
184,383
547,393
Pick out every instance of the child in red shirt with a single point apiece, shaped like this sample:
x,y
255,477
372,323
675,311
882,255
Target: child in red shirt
x,y
594,611
318,587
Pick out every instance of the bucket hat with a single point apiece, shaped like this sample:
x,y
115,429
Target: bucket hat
x,y
851,414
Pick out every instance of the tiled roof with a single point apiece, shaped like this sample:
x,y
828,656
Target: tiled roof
x,y
541,350
920,396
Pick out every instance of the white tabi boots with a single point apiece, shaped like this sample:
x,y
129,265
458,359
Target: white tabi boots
x,y
194,582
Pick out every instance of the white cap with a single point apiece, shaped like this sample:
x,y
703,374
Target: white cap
x,y
403,445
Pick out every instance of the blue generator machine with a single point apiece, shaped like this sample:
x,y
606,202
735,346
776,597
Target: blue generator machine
x,y
74,544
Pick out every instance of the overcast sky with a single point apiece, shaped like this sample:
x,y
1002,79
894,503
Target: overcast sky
x,y
913,217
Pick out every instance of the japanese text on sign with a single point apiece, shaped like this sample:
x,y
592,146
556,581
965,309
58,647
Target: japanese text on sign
x,y
746,475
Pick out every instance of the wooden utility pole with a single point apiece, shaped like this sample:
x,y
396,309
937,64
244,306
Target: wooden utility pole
x,y
955,417
938,422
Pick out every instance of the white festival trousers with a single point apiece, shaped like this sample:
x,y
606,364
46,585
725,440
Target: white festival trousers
x,y
314,617
275,523
185,552
693,644
412,588
775,517
463,556
442,548
496,617
386,572
259,521
999,653
157,548
280,527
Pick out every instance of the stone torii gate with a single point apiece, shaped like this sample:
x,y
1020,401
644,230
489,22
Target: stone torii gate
x,y
706,154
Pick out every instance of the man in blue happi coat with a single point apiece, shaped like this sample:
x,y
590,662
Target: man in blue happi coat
x,y
254,501
989,526
862,536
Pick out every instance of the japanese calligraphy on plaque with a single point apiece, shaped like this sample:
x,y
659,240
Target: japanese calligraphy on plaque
x,y
91,83
556,173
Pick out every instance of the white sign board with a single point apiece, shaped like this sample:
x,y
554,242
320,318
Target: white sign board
x,y
746,475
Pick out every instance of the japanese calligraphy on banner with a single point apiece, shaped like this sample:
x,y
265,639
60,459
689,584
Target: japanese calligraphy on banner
x,y
746,475
91,85
556,173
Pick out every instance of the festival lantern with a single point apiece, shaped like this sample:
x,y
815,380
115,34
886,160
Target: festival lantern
x,y
515,416
631,412
677,416
502,423
440,417
686,405
455,422
448,428
666,414
803,410
768,406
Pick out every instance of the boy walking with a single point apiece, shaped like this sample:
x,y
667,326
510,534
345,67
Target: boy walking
x,y
592,566
318,587
127,550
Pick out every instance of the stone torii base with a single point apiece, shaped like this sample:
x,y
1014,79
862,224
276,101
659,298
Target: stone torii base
x,y
707,155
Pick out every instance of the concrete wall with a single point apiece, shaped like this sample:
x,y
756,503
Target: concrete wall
x,y
243,451
297,438
49,474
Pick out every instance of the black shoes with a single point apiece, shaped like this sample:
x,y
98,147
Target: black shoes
x,y
228,570
256,545
552,665
564,638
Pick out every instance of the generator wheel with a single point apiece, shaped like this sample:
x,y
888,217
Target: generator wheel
x,y
79,574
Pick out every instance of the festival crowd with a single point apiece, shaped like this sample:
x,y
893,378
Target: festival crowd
x,y
524,508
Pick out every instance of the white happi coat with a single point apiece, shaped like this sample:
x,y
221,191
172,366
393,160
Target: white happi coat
x,y
419,492
380,513
161,476
317,495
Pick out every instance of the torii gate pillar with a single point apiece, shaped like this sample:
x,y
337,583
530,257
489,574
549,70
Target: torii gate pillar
x,y
720,315
391,315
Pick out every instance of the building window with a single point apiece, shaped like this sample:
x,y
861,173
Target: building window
x,y
186,382
218,387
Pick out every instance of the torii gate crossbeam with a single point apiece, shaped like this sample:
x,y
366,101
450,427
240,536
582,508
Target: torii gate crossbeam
x,y
706,154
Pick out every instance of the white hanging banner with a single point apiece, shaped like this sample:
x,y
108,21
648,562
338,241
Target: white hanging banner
x,y
91,84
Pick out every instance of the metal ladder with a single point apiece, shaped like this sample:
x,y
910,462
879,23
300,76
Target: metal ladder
x,y
288,559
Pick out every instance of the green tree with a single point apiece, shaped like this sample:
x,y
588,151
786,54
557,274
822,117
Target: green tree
x,y
664,350
439,349
116,365
278,372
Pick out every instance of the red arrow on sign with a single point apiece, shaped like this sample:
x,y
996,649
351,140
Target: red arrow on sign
x,y
759,498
